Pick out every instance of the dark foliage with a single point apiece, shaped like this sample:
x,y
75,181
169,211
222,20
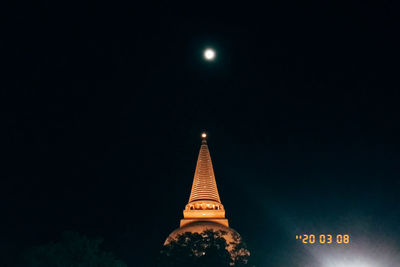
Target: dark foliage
x,y
208,248
73,250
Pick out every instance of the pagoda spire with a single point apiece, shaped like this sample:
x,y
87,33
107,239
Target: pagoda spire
x,y
204,202
204,185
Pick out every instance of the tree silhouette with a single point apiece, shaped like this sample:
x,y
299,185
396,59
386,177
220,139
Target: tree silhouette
x,y
73,250
208,248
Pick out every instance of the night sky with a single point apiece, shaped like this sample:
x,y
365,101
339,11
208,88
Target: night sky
x,y
103,104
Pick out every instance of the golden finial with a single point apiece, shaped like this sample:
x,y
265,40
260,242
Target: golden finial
x,y
204,137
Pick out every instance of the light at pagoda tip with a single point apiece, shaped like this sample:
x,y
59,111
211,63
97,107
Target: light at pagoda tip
x,y
203,135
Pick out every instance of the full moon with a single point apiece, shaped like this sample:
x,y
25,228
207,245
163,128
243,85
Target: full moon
x,y
209,54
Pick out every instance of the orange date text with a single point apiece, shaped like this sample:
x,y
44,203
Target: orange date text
x,y
324,239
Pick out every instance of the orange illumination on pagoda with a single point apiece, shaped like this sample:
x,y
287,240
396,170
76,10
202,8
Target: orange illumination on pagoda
x,y
204,202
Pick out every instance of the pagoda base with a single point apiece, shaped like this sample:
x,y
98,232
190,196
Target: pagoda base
x,y
223,222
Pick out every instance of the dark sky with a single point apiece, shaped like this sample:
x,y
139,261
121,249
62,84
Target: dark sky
x,y
103,103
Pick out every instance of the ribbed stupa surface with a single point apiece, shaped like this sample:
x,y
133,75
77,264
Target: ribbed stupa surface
x,y
204,186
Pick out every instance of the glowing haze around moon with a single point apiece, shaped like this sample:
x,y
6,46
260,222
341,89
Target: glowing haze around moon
x,y
209,54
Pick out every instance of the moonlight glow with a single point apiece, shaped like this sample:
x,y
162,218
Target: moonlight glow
x,y
209,54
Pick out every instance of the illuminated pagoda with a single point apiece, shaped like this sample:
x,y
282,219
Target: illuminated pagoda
x,y
204,210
